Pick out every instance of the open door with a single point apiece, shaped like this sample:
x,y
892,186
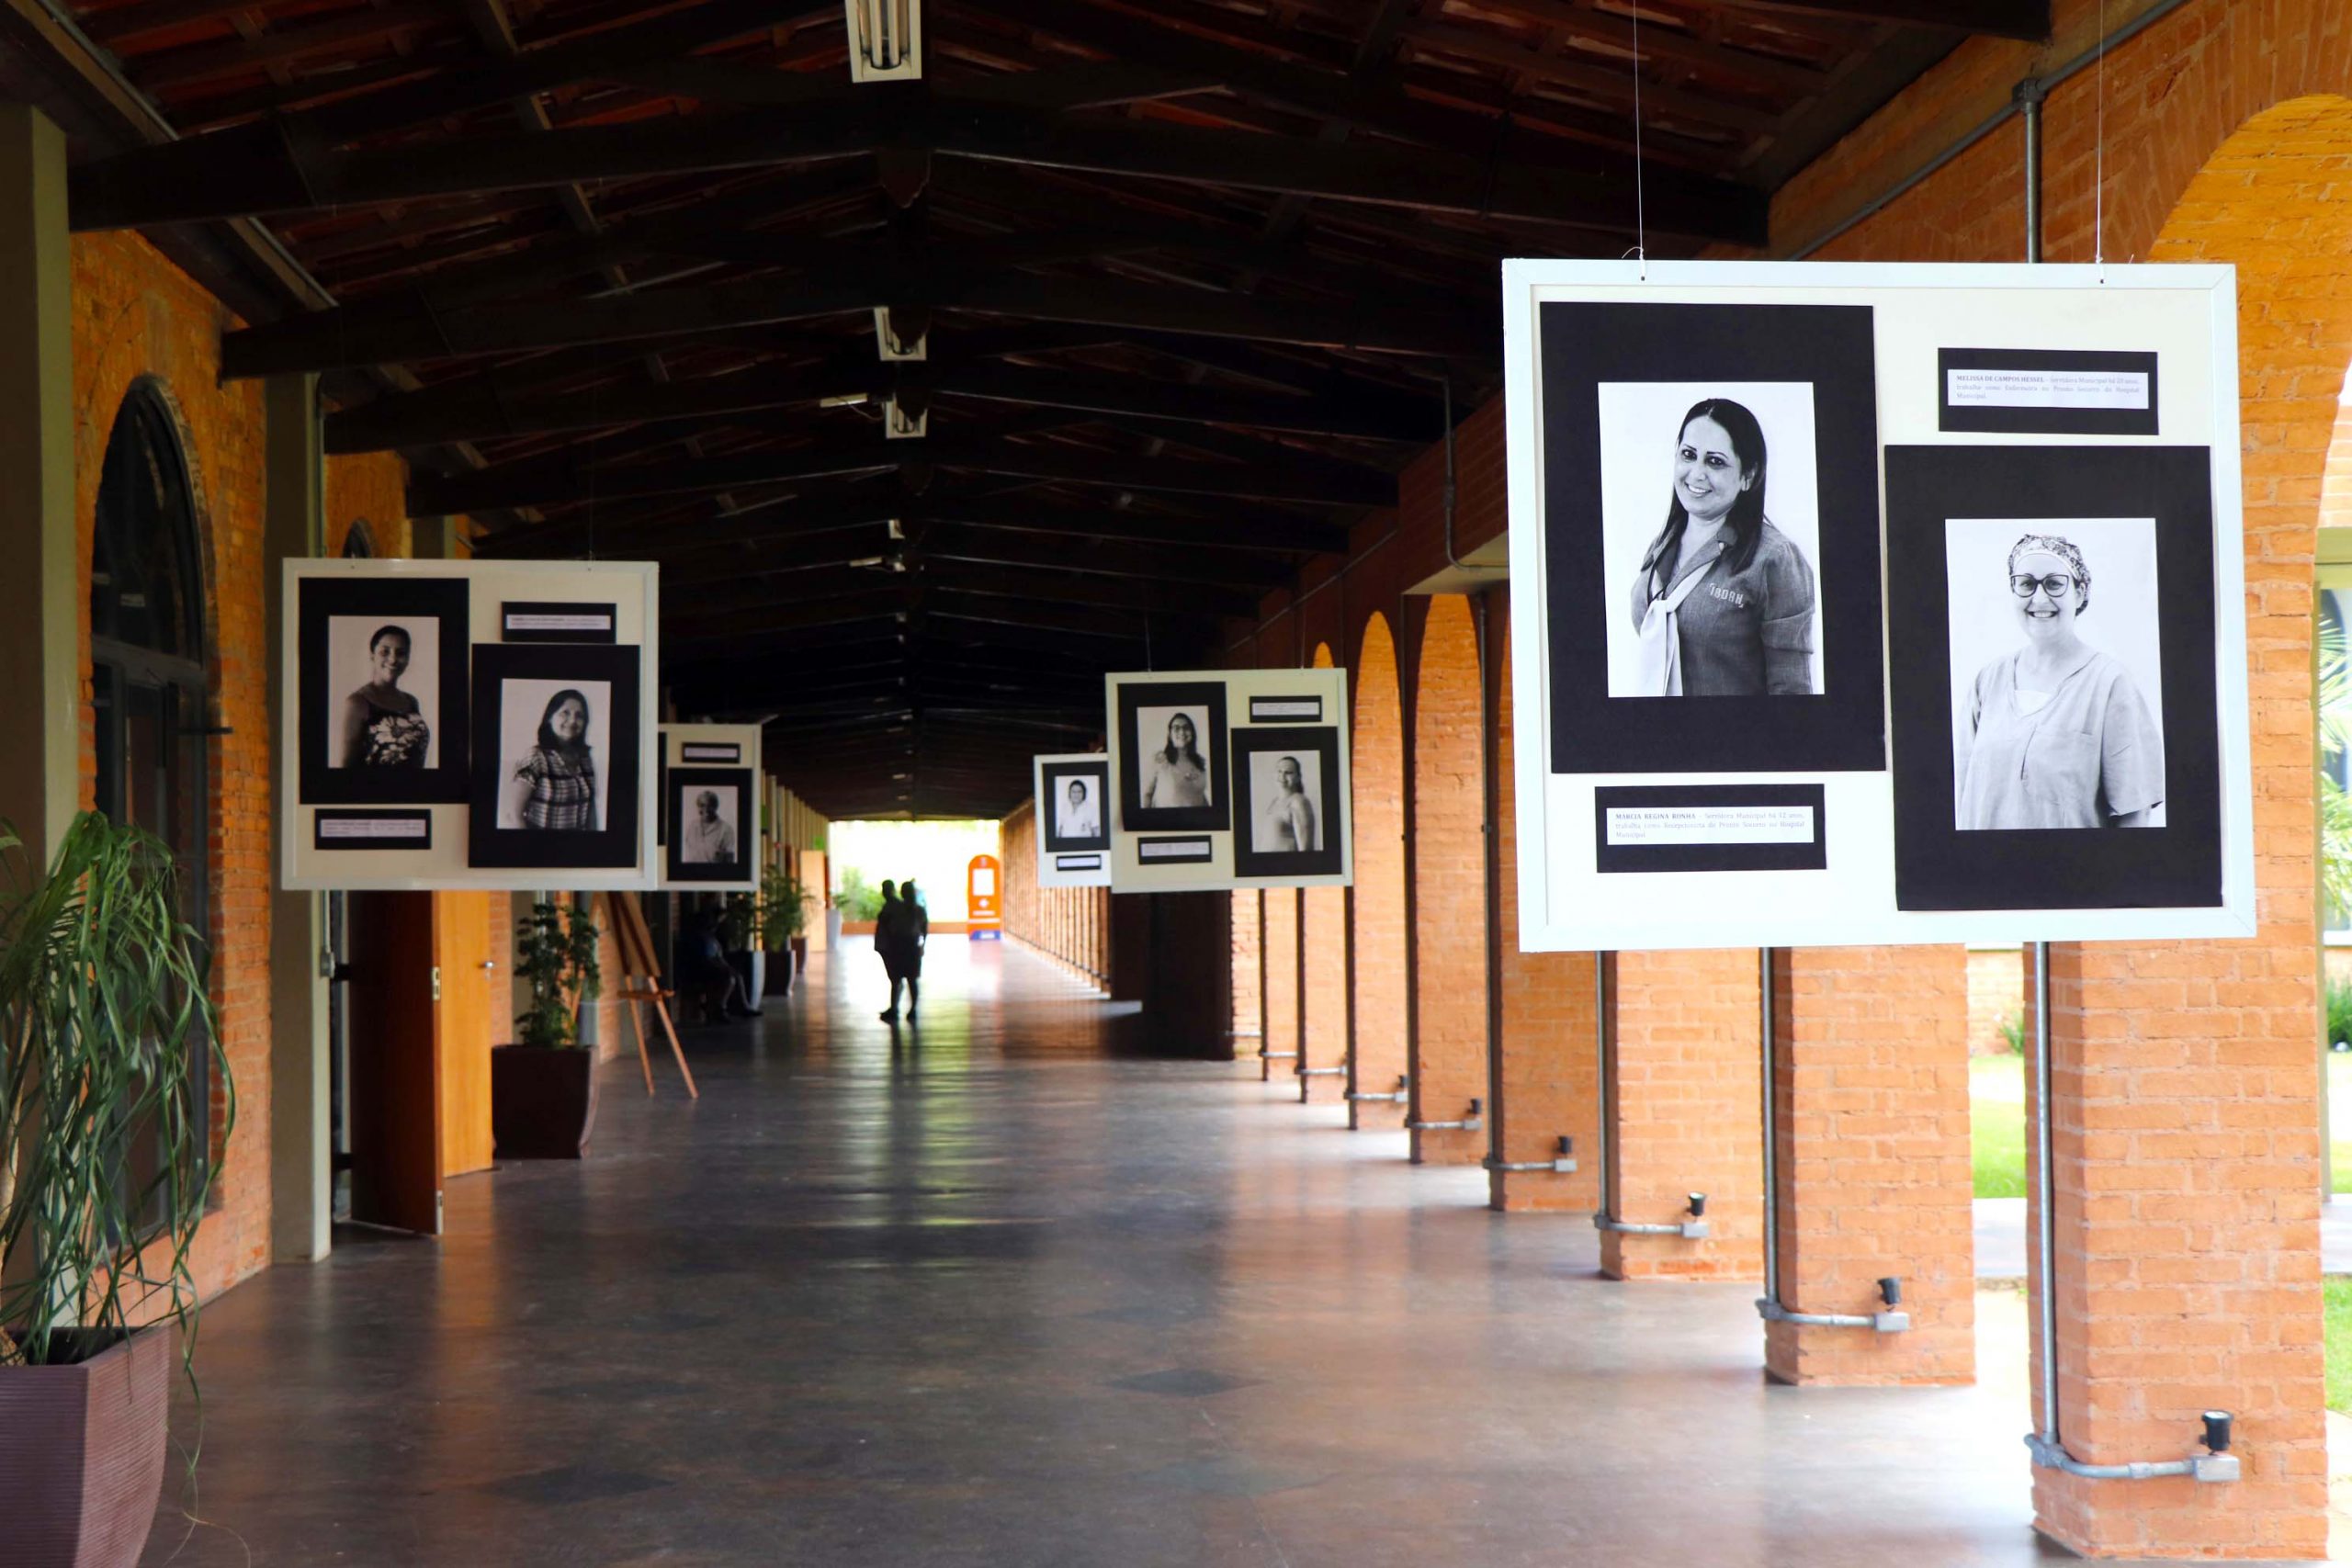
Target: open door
x,y
394,1089
461,946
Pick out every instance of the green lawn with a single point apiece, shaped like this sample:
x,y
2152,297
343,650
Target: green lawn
x,y
1996,1125
2339,1341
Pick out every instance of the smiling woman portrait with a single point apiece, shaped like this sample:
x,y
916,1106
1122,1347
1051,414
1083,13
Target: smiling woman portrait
x,y
383,725
2056,733
1723,603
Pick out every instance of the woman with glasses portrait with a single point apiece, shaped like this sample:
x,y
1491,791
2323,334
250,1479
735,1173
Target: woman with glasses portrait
x,y
2056,734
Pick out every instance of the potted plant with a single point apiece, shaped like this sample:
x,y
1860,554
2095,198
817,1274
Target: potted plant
x,y
106,1029
543,1088
784,920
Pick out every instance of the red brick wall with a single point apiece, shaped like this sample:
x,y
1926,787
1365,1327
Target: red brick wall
x,y
1872,1162
1249,1013
1065,924
1377,900
1688,1034
1323,965
1549,1070
1282,983
1449,872
136,315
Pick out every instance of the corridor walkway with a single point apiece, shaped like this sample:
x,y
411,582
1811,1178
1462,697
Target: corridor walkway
x,y
994,1293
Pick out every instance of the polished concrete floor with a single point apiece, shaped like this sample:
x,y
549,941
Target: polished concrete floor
x,y
995,1292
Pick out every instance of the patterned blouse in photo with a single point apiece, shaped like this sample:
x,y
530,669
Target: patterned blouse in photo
x,y
563,790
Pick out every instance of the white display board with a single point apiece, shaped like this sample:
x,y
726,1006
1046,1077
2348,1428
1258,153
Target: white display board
x,y
468,725
1229,778
1776,685
706,805
1072,794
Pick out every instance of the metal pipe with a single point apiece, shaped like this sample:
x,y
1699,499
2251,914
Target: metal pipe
x,y
2029,95
1978,132
1771,1151
1402,1091
1564,1163
2046,1265
1322,1072
1278,1056
1483,625
1469,1124
1888,1322
1603,1000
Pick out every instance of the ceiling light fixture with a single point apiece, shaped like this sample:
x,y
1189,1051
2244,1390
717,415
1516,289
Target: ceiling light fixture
x,y
884,40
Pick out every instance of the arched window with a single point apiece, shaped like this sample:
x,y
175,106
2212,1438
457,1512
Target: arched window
x,y
147,653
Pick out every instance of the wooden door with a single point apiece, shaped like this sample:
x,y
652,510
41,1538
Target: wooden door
x,y
461,945
395,1083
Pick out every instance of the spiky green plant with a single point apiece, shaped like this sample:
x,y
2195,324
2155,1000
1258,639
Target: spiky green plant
x,y
104,1025
2335,737
555,954
784,909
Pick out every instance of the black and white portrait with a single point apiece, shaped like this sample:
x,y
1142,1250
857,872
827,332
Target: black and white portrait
x,y
2056,673
1285,792
382,687
1071,813
550,735
1289,782
707,832
388,673
1172,741
555,778
1710,518
1710,529
1077,808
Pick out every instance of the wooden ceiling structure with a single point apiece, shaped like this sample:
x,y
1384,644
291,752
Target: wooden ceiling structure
x,y
1193,279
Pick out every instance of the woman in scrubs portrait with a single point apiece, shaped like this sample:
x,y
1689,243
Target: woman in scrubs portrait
x,y
2056,734
1723,603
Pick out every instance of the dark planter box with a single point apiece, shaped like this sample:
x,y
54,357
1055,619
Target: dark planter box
x,y
542,1100
83,1447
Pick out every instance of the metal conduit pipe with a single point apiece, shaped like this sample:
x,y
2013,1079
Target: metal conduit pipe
x,y
1564,1162
1768,1306
1322,1072
1469,1124
1403,1093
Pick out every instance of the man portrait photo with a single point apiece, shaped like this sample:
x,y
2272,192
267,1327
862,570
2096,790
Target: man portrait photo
x,y
1286,823
1076,814
708,837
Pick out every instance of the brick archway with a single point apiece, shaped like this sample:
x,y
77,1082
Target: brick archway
x,y
1323,979
1376,923
1449,879
2161,1054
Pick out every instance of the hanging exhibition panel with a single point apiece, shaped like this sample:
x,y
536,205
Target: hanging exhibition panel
x,y
708,801
1876,604
1072,795
467,724
1228,778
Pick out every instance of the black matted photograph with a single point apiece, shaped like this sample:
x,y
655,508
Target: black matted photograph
x,y
1172,770
1072,809
383,690
1289,782
556,740
1711,537
708,837
2056,722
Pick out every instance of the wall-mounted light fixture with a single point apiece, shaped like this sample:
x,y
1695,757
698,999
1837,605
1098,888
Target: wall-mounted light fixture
x,y
903,421
903,333
884,40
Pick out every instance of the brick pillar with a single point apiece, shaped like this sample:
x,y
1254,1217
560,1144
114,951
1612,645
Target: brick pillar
x,y
1873,1163
1449,880
1281,1061
1685,1087
1248,1031
1548,1077
2185,1144
1323,963
1376,1058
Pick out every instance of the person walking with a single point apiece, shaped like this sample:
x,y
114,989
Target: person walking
x,y
897,940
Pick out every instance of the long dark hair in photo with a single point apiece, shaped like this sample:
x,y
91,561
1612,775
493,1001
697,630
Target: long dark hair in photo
x,y
1745,521
1190,751
549,740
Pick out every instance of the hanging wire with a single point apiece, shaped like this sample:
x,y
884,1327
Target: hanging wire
x,y
2098,154
1640,217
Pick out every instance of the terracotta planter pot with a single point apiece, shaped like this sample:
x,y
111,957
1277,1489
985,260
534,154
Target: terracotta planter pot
x,y
542,1100
83,1447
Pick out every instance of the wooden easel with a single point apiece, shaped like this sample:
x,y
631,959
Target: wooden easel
x,y
641,982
